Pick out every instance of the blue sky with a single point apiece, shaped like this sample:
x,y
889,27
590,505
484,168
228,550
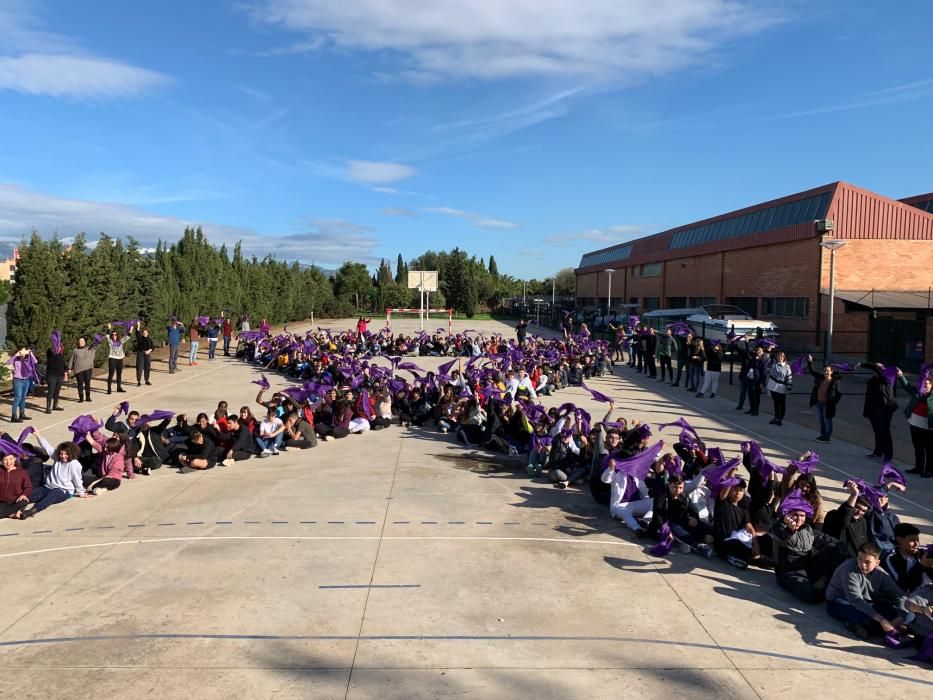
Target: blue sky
x,y
534,130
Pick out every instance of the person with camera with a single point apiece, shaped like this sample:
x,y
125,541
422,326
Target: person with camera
x,y
23,363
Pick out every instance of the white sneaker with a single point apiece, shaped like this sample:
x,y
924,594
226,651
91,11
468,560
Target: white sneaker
x,y
329,438
275,450
99,491
264,454
443,430
512,451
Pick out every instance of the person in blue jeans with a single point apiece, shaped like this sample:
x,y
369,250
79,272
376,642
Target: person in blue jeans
x,y
825,396
271,433
24,371
173,331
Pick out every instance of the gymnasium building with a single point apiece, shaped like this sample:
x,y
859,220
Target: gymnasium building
x,y
768,260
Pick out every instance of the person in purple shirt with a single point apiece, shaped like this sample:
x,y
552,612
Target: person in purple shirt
x,y
24,374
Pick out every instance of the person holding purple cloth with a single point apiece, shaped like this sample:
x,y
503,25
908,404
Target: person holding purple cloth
x,y
23,363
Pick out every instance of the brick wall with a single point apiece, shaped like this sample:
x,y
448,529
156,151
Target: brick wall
x,y
698,276
890,265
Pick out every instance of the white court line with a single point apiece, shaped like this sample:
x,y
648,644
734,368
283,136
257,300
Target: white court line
x,y
697,409
562,540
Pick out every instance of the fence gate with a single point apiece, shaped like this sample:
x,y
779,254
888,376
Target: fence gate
x,y
899,342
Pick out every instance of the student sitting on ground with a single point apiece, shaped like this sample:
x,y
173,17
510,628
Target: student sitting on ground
x,y
242,443
62,479
271,433
110,469
15,489
847,522
804,557
862,595
671,506
910,565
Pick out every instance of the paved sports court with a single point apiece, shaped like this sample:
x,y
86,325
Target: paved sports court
x,y
397,564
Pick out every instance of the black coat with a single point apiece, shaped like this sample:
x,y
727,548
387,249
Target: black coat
x,y
879,395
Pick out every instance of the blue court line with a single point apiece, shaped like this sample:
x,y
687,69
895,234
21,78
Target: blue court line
x,y
467,638
373,585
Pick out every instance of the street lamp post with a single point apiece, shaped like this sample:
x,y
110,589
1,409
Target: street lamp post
x,y
832,245
609,272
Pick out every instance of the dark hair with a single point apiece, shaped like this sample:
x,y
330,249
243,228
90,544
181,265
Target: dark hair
x,y
72,449
112,445
196,434
905,530
233,417
871,549
675,479
741,485
131,414
200,416
220,413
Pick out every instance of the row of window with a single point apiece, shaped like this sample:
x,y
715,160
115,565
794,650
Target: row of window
x,y
778,216
606,257
647,270
796,307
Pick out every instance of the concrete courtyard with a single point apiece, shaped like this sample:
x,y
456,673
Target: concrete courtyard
x,y
398,564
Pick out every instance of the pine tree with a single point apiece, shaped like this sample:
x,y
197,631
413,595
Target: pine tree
x,y
493,268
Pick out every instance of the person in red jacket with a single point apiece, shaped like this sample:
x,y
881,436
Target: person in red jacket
x,y
15,489
226,330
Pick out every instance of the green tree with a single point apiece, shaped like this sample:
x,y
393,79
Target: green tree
x,y
352,281
493,268
565,282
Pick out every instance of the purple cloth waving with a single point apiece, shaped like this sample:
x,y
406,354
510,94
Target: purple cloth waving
x,y
639,465
889,473
600,397
663,548
263,382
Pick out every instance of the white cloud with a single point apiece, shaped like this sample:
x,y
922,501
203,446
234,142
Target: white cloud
x,y
610,235
376,173
479,220
485,39
400,212
327,241
36,62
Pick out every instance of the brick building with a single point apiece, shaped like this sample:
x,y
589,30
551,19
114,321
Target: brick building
x,y
767,259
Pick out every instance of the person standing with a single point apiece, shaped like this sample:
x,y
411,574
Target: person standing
x,y
115,360
227,332
521,330
713,370
745,360
81,364
879,409
683,355
651,351
56,373
213,333
919,414
24,370
695,368
667,346
144,348
173,332
244,323
780,380
756,375
194,338
825,396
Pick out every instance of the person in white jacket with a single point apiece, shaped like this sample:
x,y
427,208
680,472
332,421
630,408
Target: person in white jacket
x,y
629,498
62,479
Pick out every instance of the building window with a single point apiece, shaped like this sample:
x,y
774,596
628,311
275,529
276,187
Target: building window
x,y
651,303
748,304
798,307
677,302
700,301
651,269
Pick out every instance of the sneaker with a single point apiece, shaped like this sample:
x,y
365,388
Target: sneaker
x,y
779,422
821,439
531,470
58,408
512,451
275,450
443,430
739,408
329,438
145,471
773,421
704,550
737,563
186,470
684,548
264,454
699,395
99,491
712,396
560,484
148,383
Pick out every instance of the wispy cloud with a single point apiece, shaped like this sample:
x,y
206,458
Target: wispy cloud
x,y
479,220
608,236
37,62
320,240
378,173
478,39
400,212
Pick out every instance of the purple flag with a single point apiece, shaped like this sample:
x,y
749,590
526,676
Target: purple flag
x,y
446,367
663,548
806,465
600,397
82,425
842,367
870,493
794,501
56,339
153,417
798,366
639,465
263,382
25,434
720,477
759,462
890,374
125,407
889,473
715,454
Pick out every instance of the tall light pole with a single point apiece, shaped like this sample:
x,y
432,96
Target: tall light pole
x,y
832,245
609,272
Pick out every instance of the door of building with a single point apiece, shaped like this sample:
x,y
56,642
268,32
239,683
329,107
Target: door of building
x,y
898,342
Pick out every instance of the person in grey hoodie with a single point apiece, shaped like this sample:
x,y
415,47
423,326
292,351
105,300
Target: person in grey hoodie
x,y
863,595
780,379
81,365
